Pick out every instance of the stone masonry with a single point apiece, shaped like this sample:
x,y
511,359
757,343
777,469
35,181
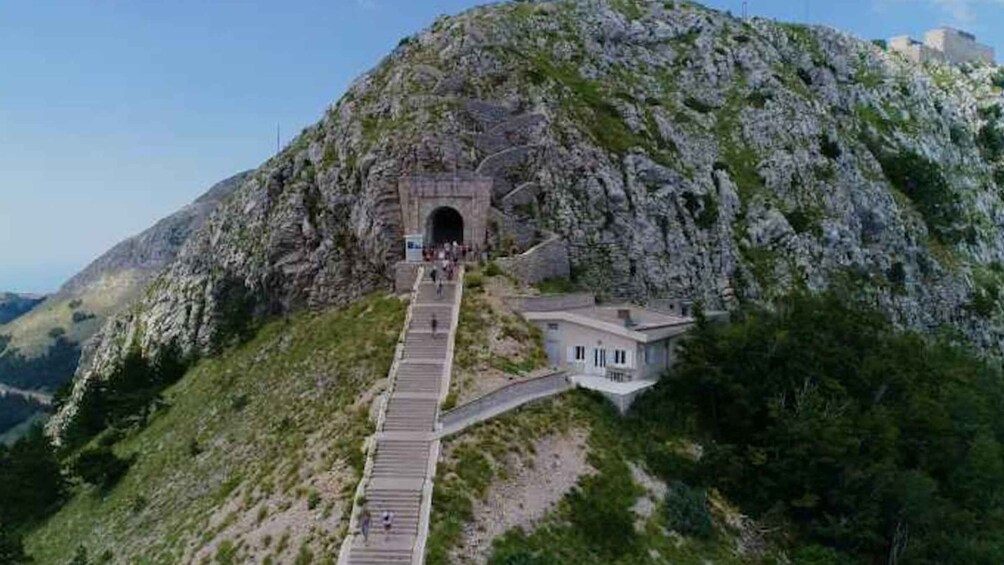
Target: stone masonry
x,y
546,260
468,194
402,454
943,44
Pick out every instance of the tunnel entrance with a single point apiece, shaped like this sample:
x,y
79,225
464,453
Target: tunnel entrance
x,y
446,225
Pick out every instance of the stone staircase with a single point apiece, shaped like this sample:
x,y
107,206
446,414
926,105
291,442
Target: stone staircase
x,y
401,462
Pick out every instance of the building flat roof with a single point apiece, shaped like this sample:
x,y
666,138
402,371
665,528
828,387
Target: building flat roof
x,y
645,325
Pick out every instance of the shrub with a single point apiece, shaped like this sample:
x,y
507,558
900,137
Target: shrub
x,y
474,281
100,467
998,78
492,269
450,402
80,316
57,332
991,140
313,499
557,285
697,105
829,147
522,557
80,556
924,183
687,510
11,547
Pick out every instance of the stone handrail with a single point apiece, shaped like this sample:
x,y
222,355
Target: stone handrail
x,y
502,400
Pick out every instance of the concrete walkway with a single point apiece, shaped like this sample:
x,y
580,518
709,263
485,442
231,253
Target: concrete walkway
x,y
501,401
402,455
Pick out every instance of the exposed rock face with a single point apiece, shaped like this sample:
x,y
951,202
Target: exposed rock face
x,y
679,151
153,249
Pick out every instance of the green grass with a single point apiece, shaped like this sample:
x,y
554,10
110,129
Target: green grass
x,y
738,157
592,524
30,332
480,325
298,424
556,286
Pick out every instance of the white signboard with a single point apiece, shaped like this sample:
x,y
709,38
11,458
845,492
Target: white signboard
x,y
413,246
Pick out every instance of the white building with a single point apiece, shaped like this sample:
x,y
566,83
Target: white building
x,y
944,44
618,350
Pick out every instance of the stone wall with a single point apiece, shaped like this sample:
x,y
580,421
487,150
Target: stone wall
x,y
550,302
468,194
522,234
958,46
546,260
914,50
404,276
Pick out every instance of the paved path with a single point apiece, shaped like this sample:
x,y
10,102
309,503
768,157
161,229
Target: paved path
x,y
501,401
402,456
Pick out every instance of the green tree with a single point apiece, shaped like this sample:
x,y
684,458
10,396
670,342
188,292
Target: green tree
x,y
100,467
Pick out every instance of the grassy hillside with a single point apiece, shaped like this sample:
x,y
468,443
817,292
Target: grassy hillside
x,y
616,511
252,457
14,305
30,333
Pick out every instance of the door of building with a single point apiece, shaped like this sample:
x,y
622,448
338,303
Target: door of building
x,y
553,348
599,364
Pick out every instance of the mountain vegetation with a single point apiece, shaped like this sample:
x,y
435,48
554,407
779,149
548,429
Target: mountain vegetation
x,y
251,456
41,347
15,408
13,305
846,203
824,419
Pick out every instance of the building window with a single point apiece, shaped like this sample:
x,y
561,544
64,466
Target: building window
x,y
580,353
553,326
620,357
599,357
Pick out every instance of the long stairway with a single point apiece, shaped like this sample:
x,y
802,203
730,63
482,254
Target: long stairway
x,y
401,463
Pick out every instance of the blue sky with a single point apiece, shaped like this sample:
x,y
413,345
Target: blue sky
x,y
114,113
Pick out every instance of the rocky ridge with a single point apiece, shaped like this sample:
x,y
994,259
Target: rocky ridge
x,y
678,150
70,317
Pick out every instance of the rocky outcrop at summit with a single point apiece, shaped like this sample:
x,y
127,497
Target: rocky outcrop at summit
x,y
679,151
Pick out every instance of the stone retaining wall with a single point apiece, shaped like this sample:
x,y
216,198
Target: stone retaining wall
x,y
404,276
546,260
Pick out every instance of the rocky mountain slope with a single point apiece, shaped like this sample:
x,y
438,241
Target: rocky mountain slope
x,y
40,349
13,305
251,458
679,151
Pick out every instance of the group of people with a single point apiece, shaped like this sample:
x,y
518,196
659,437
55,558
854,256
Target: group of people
x,y
454,252
366,519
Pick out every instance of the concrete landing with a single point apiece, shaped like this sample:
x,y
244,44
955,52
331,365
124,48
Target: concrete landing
x,y
621,394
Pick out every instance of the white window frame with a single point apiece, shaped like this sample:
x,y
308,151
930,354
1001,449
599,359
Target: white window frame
x,y
620,357
579,353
